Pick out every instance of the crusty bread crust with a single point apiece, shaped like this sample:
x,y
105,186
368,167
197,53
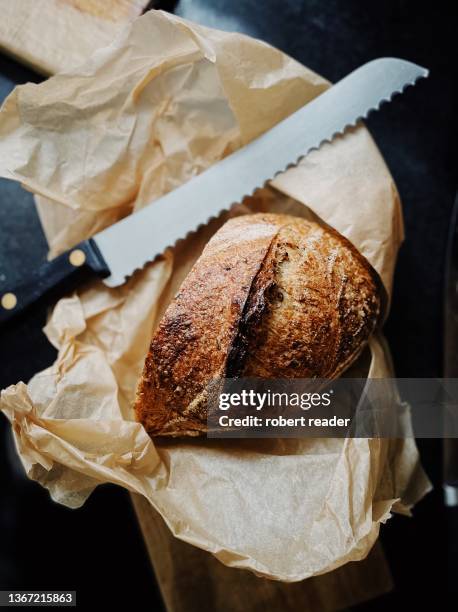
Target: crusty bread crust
x,y
273,296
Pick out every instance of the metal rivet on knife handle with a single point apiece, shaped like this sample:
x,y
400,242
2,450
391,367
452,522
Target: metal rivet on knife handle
x,y
9,301
60,275
77,257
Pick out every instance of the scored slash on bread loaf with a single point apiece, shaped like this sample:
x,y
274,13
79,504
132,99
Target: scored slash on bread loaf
x,y
271,296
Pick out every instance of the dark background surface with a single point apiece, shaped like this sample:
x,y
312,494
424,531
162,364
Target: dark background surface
x,y
417,136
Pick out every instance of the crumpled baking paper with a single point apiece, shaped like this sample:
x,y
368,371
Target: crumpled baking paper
x,y
53,35
162,103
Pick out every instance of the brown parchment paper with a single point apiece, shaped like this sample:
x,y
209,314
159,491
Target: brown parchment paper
x,y
52,35
163,102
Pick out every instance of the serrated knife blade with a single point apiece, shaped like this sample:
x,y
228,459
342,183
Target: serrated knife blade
x,y
116,252
139,238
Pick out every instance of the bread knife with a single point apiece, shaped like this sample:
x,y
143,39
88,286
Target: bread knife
x,y
116,252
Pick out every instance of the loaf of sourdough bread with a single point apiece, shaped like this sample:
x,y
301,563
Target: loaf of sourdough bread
x,y
272,296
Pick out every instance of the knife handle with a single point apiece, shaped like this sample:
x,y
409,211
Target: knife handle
x,y
80,264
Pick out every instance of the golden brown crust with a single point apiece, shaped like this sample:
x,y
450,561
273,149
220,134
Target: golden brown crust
x,y
273,296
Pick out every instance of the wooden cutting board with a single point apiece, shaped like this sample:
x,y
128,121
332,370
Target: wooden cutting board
x,y
53,35
191,579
